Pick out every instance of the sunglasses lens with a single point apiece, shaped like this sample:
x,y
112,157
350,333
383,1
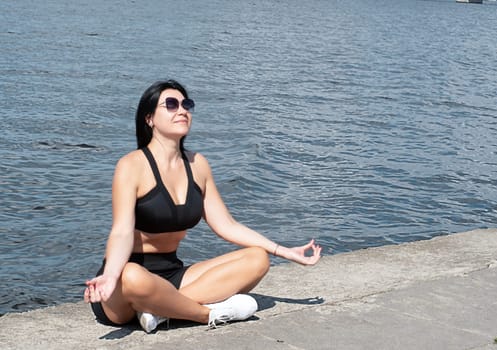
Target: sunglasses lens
x,y
188,104
172,104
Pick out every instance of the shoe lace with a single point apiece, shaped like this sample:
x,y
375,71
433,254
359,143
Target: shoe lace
x,y
217,319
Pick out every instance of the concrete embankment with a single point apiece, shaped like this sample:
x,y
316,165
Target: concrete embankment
x,y
433,294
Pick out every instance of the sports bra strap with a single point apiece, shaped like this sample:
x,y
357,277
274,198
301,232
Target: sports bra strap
x,y
187,167
153,165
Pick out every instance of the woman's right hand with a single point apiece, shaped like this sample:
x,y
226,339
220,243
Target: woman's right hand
x,y
99,289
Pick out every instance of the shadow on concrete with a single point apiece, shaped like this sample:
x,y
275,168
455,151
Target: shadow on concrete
x,y
129,328
119,333
263,301
266,301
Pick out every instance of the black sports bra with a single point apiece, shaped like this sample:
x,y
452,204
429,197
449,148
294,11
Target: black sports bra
x,y
156,212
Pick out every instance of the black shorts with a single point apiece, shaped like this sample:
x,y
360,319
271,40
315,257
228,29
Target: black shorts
x,y
166,265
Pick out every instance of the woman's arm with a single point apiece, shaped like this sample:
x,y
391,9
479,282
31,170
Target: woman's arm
x,y
120,241
224,225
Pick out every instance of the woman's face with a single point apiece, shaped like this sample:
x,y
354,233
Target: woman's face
x,y
173,114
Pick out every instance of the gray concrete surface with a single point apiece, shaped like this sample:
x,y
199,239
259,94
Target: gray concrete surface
x,y
433,294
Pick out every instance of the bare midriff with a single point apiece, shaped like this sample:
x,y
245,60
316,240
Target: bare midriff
x,y
157,242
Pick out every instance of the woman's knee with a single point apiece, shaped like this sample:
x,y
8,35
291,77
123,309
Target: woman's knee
x,y
134,280
258,260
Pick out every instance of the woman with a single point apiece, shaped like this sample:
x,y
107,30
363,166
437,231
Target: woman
x,y
159,191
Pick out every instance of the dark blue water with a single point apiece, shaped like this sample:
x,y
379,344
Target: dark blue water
x,y
359,123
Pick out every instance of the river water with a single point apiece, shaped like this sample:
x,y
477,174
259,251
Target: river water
x,y
359,123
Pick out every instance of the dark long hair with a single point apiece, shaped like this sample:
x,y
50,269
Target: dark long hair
x,y
146,108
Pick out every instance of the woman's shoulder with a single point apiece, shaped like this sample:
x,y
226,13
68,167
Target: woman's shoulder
x,y
196,158
136,155
200,166
132,161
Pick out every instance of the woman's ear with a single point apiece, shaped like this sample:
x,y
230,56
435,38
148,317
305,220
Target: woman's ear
x,y
149,121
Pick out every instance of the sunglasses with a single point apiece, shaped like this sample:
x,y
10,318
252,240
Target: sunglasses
x,y
172,104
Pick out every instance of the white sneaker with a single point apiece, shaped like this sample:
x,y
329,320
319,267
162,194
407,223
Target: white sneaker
x,y
239,307
150,322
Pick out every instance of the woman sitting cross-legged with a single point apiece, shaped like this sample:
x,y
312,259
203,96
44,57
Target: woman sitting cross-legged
x,y
160,191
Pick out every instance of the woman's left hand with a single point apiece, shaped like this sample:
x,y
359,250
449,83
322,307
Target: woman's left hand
x,y
298,255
